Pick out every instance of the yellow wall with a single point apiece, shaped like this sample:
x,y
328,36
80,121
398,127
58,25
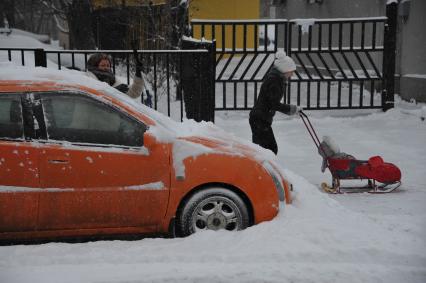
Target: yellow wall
x,y
225,9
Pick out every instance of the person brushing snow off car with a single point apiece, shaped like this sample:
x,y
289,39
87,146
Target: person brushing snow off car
x,y
269,101
99,67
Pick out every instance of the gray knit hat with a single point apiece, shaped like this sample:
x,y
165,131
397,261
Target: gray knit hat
x,y
284,63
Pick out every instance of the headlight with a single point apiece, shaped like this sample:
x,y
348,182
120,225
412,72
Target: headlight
x,y
276,178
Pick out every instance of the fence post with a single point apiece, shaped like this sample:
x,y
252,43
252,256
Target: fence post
x,y
198,80
212,73
208,77
389,54
40,58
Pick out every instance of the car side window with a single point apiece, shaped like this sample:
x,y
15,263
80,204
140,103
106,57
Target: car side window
x,y
80,119
11,125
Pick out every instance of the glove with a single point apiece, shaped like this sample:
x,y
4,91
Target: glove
x,y
123,88
138,72
294,109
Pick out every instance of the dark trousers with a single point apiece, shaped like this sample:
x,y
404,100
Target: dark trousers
x,y
263,135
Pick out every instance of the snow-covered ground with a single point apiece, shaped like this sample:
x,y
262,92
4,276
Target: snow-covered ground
x,y
319,238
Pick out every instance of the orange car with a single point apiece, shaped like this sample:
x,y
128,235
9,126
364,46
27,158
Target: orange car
x,y
78,158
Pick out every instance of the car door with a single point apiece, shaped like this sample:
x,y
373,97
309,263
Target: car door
x,y
95,169
19,176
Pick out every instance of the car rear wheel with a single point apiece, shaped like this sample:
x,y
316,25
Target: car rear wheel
x,y
213,209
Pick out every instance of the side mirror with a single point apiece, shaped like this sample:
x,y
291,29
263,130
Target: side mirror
x,y
149,140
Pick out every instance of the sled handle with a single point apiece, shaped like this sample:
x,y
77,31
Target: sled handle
x,y
311,130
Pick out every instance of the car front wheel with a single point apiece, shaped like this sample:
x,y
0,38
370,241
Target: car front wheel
x,y
213,209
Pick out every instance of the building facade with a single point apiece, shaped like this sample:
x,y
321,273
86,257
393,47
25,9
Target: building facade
x,y
411,51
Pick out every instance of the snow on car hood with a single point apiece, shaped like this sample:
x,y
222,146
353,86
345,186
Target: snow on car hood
x,y
192,139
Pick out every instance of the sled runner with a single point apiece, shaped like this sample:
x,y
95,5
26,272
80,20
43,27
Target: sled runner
x,y
382,177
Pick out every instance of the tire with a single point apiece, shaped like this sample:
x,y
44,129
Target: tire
x,y
213,209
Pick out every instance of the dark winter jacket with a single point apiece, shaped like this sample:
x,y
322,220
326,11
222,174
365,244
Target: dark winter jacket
x,y
269,100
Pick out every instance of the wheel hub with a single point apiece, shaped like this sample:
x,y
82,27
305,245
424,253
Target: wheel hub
x,y
216,221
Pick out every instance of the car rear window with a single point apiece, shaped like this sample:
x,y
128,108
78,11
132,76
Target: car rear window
x,y
11,126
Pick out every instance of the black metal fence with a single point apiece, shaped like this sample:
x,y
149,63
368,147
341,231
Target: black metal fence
x,y
339,61
162,71
341,64
245,51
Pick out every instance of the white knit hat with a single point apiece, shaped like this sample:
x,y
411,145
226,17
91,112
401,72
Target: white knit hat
x,y
284,63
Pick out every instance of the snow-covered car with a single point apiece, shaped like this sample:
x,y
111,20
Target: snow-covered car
x,y
78,158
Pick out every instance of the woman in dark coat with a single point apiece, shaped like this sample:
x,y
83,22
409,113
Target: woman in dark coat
x,y
269,101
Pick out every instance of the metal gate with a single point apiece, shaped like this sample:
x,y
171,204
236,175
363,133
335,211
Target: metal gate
x,y
339,61
244,53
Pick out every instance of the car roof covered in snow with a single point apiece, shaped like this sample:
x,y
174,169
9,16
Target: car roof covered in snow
x,y
69,79
11,72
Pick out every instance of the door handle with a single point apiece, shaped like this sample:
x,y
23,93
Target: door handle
x,y
58,161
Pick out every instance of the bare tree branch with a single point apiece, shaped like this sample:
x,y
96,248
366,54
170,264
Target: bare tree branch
x,y
59,25
50,5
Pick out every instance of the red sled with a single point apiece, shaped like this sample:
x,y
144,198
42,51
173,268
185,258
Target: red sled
x,y
383,177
